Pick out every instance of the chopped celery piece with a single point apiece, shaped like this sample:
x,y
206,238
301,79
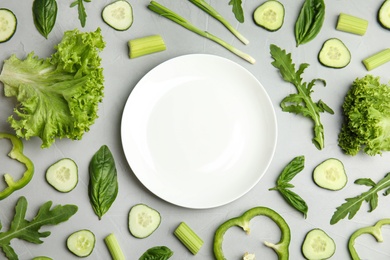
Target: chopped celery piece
x,y
352,24
114,247
146,45
189,238
377,59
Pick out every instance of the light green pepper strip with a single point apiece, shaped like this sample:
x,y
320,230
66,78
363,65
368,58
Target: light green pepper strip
x,y
281,248
16,153
375,231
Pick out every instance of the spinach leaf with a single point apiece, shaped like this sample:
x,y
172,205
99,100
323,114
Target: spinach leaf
x,y
103,183
157,253
44,14
237,10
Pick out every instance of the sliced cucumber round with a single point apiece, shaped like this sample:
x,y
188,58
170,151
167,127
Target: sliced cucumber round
x,y
384,15
63,175
269,15
81,243
334,54
330,174
318,245
143,220
118,15
8,24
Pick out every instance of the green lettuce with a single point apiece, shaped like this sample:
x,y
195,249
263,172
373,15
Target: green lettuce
x,y
57,96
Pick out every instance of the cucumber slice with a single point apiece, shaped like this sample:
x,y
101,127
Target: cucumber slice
x,y
63,175
330,174
269,15
81,243
384,15
118,15
318,245
143,220
8,23
334,54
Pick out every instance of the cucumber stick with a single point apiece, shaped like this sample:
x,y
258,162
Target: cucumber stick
x,y
8,24
81,243
118,15
63,175
330,174
318,245
143,220
269,15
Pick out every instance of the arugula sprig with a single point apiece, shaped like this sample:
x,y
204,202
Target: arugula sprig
x,y
24,229
237,10
352,205
300,102
81,10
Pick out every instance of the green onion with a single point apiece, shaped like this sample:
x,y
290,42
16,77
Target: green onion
x,y
377,59
352,24
169,14
114,248
211,11
146,45
189,238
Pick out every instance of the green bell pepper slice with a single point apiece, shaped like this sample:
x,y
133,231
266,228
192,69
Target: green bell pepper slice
x,y
281,248
16,153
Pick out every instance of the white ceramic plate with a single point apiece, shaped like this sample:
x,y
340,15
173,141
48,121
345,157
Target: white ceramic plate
x,y
199,131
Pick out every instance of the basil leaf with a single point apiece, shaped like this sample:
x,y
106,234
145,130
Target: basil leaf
x,y
237,10
103,183
293,168
157,253
310,20
295,201
44,14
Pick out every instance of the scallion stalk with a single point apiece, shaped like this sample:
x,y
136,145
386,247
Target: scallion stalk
x,y
114,247
145,45
189,238
377,59
352,24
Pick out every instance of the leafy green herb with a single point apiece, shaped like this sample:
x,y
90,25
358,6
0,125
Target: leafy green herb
x,y
24,229
283,184
103,183
237,10
300,102
81,10
309,21
157,252
44,14
352,205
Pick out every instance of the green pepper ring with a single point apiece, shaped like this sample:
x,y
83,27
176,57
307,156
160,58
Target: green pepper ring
x,y
281,248
16,153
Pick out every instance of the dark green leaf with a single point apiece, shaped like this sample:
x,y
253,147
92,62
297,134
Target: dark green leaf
x,y
44,14
157,253
237,10
365,181
295,201
324,107
81,10
295,166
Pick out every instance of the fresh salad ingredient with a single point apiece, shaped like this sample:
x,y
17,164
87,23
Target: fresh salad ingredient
x,y
42,258
16,153
237,10
300,102
309,22
81,10
113,247
334,54
281,248
57,96
377,59
143,220
352,205
366,110
157,252
351,24
28,230
375,231
384,14
202,4
81,243
189,238
318,245
8,24
118,15
45,15
330,174
169,14
103,182
269,15
146,45
248,256
284,186
63,175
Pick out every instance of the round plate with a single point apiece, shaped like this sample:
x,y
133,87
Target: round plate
x,y
199,131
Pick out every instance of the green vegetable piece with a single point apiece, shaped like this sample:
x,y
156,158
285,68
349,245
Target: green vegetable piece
x,y
237,10
283,184
157,252
81,243
334,54
143,220
114,247
146,45
189,238
318,245
103,182
330,174
63,175
16,153
118,15
269,15
8,24
375,231
300,102
42,258
377,59
81,10
45,15
174,17
384,14
352,205
28,230
352,24
281,248
310,21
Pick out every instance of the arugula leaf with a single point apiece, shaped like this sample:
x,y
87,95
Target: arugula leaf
x,y
300,102
237,10
81,10
352,205
24,229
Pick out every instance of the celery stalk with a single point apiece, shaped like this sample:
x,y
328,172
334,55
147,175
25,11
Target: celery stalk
x,y
352,24
189,238
211,11
377,59
145,45
169,14
114,247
